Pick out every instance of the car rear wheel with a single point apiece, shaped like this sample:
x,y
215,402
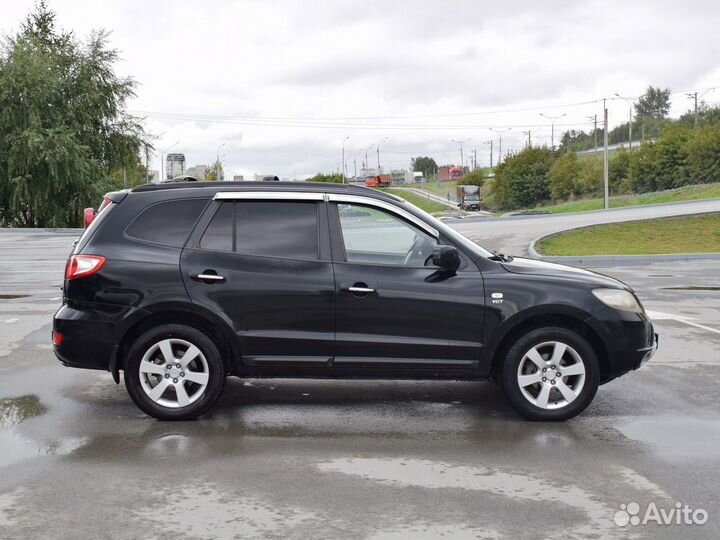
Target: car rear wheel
x,y
550,374
174,372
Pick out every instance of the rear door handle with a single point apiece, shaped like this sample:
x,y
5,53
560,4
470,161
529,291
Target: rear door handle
x,y
207,277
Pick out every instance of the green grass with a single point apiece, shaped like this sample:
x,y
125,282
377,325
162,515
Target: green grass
x,y
685,234
418,200
687,193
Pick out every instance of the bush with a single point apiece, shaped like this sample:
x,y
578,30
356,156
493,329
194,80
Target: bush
x,y
473,178
619,171
590,181
703,161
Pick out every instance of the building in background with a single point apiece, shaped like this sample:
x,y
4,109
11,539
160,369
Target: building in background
x,y
238,178
174,165
198,171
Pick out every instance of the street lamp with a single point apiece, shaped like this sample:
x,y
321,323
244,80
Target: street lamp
x,y
462,160
552,126
630,103
500,132
162,160
378,154
217,163
344,171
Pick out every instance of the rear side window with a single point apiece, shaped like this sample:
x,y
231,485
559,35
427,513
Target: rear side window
x,y
168,223
268,228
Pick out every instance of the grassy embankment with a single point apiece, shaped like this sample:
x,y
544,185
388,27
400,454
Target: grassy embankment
x,y
684,234
418,200
687,193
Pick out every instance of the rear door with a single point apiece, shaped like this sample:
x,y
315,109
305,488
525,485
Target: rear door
x,y
259,260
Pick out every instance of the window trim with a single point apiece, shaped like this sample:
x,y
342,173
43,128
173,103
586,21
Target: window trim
x,y
268,195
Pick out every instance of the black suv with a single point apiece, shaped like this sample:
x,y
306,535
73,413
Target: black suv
x,y
180,285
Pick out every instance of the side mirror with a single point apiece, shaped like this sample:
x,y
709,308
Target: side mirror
x,y
446,257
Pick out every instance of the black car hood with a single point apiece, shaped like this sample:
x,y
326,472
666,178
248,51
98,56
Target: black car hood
x,y
520,265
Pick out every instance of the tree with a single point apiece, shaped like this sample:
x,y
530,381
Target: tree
x,y
328,178
473,178
211,172
654,103
704,155
521,181
423,164
563,177
63,127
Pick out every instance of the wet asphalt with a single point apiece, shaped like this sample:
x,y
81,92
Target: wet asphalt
x,y
355,459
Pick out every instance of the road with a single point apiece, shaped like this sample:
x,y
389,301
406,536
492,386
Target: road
x,y
355,459
513,234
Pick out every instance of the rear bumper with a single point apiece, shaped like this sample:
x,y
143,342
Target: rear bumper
x,y
90,334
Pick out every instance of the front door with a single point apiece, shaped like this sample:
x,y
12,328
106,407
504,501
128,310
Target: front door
x,y
260,265
393,307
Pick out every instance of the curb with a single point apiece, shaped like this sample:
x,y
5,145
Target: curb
x,y
615,260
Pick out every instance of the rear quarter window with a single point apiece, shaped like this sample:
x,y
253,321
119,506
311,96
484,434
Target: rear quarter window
x,y
167,223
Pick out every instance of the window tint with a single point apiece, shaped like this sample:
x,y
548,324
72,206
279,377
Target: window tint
x,y
375,236
274,229
168,223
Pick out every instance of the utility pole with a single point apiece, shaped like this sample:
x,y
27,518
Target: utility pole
x,y
528,133
462,160
552,126
147,164
630,104
474,159
490,142
344,168
355,167
594,119
606,169
694,97
500,132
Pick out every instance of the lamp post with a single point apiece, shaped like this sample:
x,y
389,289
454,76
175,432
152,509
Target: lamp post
x,y
462,159
378,153
552,126
217,163
500,134
630,103
162,160
344,168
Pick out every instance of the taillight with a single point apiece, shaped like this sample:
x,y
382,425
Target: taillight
x,y
57,338
83,265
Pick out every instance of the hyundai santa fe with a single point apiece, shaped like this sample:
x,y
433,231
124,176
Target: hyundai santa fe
x,y
181,285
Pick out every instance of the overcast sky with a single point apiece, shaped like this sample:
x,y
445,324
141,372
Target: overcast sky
x,y
282,83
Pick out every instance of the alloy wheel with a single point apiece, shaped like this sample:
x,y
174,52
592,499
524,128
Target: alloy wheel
x,y
174,373
551,375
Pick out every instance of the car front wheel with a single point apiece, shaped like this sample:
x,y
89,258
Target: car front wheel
x,y
550,374
174,372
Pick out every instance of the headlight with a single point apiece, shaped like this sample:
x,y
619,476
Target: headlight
x,y
618,299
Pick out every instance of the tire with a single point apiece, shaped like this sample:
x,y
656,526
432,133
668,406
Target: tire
x,y
558,397
182,389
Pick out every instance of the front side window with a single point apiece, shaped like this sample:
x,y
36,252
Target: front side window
x,y
267,228
374,236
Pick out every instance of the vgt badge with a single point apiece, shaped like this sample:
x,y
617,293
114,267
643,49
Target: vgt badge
x,y
497,298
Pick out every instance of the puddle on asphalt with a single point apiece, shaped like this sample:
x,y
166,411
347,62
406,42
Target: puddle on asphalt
x,y
16,447
691,288
12,296
676,437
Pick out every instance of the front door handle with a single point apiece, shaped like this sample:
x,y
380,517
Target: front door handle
x,y
362,290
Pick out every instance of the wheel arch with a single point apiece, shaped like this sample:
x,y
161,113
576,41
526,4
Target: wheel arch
x,y
192,315
571,319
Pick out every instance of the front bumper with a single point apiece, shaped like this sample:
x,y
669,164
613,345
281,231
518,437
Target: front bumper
x,y
630,340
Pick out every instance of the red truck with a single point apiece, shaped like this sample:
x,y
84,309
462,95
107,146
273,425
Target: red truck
x,y
450,173
378,181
